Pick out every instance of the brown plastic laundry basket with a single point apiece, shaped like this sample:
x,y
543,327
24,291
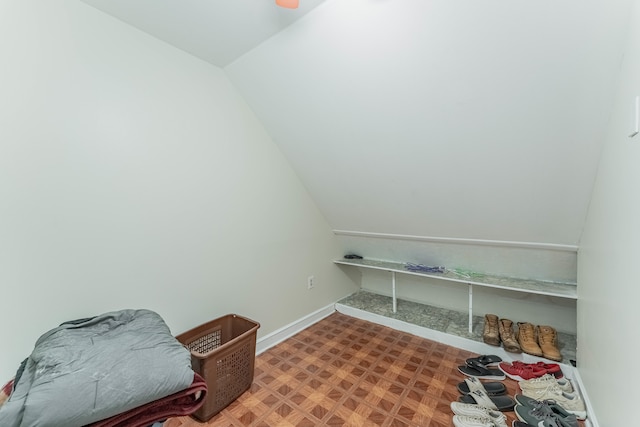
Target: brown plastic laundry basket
x,y
223,352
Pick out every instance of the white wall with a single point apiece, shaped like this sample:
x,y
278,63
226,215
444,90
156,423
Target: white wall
x,y
608,315
447,119
461,119
133,175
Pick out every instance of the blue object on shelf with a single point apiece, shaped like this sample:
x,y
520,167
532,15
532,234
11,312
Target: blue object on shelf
x,y
423,268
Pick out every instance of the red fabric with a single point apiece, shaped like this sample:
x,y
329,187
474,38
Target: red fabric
x,y
184,402
5,392
6,389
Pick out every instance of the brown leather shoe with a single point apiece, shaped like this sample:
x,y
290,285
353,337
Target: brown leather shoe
x,y
490,334
548,341
508,336
527,339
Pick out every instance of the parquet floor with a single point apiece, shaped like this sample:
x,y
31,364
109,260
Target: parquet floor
x,y
344,371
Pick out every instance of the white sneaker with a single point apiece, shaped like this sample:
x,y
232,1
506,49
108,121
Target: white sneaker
x,y
546,381
570,402
473,410
466,421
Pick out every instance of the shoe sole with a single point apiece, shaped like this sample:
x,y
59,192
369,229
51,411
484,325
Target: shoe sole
x,y
512,349
580,415
555,359
531,352
483,377
491,341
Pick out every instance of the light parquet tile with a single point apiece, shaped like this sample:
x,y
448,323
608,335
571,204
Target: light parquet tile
x,y
344,371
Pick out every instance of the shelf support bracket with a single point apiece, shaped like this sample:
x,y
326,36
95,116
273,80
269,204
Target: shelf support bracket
x,y
470,308
393,291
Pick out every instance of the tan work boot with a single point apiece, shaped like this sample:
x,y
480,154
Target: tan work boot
x,y
527,339
490,334
547,339
508,336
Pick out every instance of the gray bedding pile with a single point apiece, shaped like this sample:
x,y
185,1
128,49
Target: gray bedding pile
x,y
91,369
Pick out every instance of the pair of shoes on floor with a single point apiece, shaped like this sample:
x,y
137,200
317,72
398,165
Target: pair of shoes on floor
x,y
539,341
498,331
480,397
544,413
492,388
521,371
542,383
473,415
483,367
554,396
489,395
485,359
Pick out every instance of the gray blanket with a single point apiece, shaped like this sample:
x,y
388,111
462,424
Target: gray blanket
x,y
92,369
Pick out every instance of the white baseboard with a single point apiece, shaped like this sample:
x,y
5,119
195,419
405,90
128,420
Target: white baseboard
x,y
591,421
293,328
442,337
459,342
448,339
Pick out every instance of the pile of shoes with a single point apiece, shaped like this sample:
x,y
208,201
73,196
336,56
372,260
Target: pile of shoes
x,y
535,340
536,413
547,398
481,404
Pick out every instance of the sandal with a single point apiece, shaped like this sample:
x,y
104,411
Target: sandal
x,y
478,370
486,360
491,388
497,403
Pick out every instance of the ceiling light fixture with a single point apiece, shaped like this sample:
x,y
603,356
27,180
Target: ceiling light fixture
x,y
289,4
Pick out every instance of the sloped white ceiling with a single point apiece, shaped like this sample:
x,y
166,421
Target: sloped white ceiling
x,y
474,119
218,31
465,119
